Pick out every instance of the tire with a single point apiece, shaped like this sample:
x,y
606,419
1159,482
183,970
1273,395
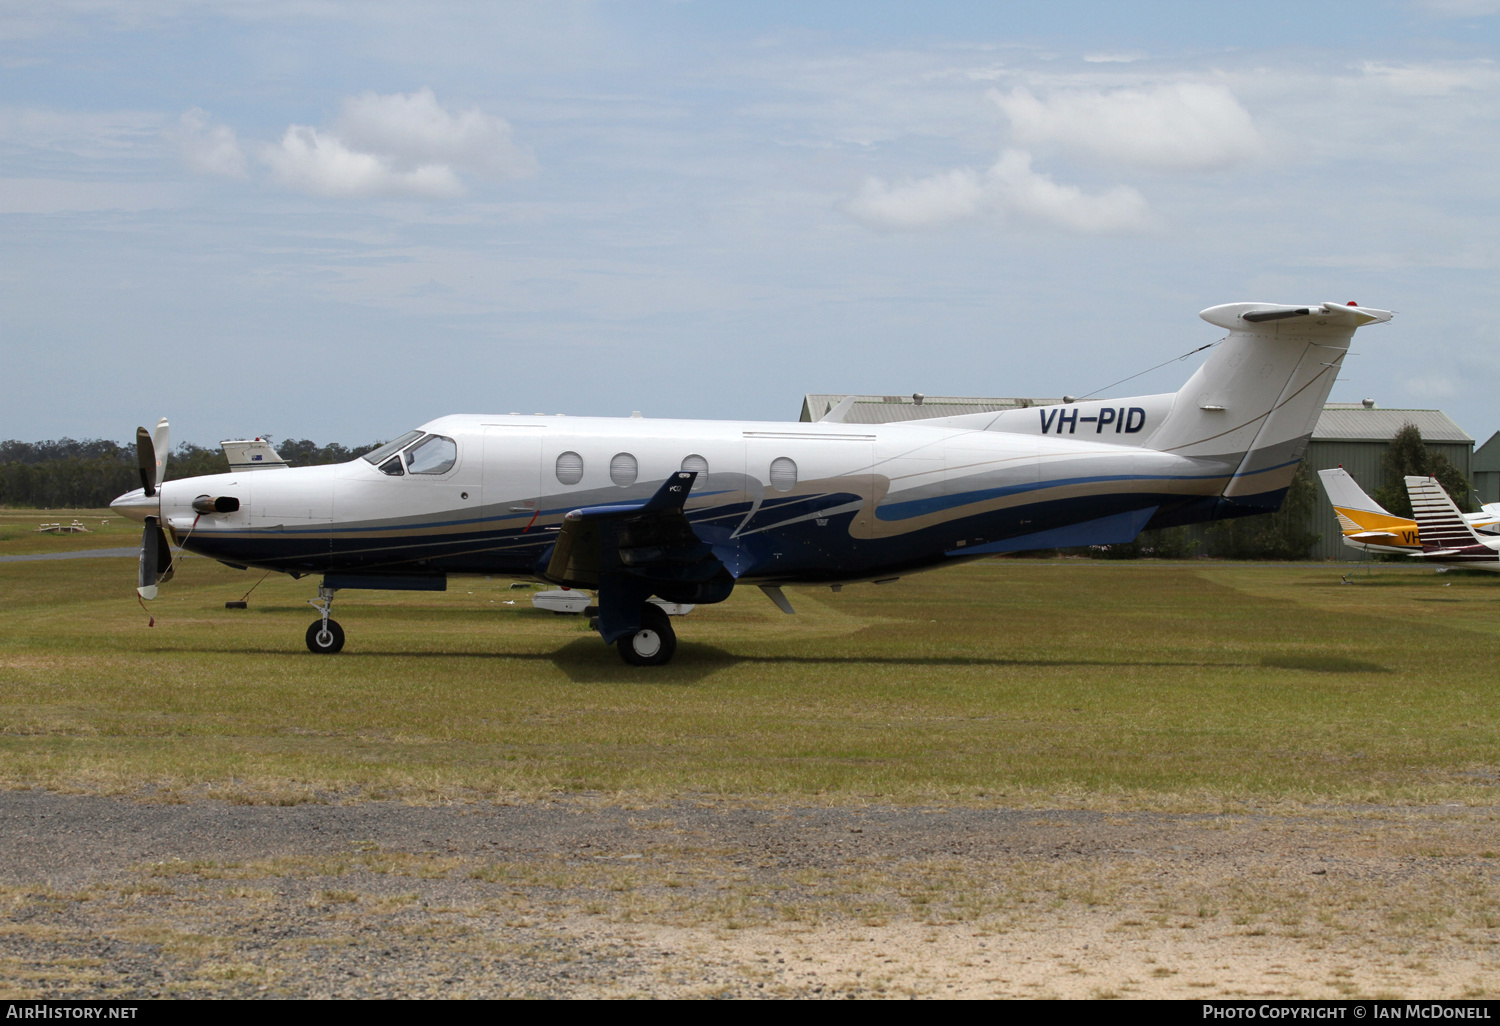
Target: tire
x,y
652,645
325,645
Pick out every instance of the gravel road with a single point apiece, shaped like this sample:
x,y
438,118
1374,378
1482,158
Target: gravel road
x,y
581,897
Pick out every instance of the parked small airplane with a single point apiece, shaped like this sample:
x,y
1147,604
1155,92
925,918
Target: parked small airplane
x,y
1448,537
1368,526
686,510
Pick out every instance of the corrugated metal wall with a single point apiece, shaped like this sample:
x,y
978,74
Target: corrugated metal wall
x,y
1362,461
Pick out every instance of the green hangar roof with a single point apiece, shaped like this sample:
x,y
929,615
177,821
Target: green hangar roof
x,y
1355,422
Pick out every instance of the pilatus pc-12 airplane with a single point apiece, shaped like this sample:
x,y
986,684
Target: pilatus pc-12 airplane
x,y
685,511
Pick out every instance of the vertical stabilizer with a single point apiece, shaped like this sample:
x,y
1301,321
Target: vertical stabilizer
x,y
1252,406
1347,496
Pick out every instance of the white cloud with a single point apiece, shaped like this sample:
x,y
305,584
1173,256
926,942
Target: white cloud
x,y
396,145
1114,58
309,161
208,149
414,130
932,202
1009,190
1181,126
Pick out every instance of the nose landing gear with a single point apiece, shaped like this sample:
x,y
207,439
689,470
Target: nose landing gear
x,y
324,636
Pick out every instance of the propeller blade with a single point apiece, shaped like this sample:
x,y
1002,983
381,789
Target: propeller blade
x,y
145,460
161,441
165,564
156,559
151,539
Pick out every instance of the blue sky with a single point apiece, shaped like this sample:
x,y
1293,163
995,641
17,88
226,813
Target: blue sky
x,y
338,220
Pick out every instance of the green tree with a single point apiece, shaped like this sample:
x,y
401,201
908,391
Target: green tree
x,y
89,474
189,460
302,452
1408,456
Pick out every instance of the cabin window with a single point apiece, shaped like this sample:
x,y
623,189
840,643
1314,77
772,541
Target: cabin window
x,y
623,469
435,454
569,468
783,473
392,467
695,464
391,448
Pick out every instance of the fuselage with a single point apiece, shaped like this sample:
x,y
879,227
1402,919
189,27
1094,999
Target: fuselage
x,y
779,502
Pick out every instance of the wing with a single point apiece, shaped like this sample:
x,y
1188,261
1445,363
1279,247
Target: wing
x,y
635,550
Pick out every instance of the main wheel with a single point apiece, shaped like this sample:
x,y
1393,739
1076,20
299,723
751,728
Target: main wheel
x,y
325,642
654,643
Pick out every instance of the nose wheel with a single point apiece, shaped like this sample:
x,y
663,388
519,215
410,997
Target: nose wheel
x,y
652,645
324,635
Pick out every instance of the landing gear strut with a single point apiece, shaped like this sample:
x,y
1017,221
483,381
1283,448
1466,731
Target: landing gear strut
x,y
324,636
654,643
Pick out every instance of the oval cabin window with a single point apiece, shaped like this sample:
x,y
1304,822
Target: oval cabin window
x,y
695,464
623,469
783,474
569,468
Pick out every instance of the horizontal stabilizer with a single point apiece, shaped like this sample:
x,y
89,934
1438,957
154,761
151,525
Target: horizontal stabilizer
x,y
1323,315
251,454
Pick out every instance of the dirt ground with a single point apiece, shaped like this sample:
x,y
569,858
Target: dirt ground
x,y
579,897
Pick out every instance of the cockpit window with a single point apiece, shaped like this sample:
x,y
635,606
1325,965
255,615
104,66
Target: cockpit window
x,y
435,454
392,467
378,456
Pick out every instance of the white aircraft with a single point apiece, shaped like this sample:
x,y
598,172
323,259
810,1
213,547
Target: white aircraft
x,y
686,510
1448,537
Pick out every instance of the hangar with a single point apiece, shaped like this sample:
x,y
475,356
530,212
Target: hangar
x,y
1351,435
1486,476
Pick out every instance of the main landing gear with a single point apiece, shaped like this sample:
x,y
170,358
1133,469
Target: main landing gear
x,y
654,643
324,636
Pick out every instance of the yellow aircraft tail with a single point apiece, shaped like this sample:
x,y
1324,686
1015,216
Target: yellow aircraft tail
x,y
1365,523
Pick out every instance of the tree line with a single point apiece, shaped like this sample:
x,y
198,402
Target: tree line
x,y
66,473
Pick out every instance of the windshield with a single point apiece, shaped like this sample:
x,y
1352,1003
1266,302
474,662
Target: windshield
x,y
390,447
435,454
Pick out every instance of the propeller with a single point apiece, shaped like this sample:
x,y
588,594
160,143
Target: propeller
x,y
156,559
151,455
156,553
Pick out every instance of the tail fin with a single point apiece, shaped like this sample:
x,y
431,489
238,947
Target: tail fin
x,y
251,454
1253,404
1346,494
1364,522
1443,527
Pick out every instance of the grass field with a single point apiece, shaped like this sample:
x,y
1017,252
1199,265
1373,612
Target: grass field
x,y
1058,683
